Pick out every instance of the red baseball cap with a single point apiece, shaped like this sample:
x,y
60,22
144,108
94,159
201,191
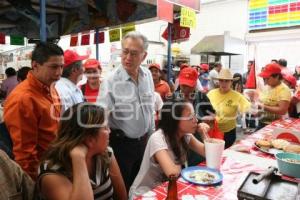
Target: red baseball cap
x,y
188,76
183,65
155,65
269,70
71,57
92,64
204,67
291,79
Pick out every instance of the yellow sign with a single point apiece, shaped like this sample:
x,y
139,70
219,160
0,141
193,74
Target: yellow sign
x,y
127,28
114,35
187,17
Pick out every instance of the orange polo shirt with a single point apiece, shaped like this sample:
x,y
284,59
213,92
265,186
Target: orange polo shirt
x,y
31,114
163,89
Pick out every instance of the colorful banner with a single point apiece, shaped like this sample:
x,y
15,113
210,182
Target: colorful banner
x,y
264,14
114,35
165,11
187,18
127,28
16,40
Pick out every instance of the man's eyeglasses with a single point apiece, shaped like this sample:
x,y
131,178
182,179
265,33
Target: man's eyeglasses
x,y
125,52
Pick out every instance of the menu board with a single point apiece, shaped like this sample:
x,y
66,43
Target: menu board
x,y
265,14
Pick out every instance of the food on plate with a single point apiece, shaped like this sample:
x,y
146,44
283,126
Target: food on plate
x,y
293,148
290,160
264,143
201,176
279,143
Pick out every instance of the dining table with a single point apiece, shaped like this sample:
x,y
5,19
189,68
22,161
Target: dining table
x,y
237,162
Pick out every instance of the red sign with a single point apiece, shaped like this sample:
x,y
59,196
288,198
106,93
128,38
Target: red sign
x,y
100,38
193,4
85,39
178,32
2,38
74,40
165,10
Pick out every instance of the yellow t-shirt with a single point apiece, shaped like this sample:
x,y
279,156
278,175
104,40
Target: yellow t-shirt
x,y
271,97
227,107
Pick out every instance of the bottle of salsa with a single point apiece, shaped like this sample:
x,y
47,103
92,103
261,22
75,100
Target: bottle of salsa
x,y
172,188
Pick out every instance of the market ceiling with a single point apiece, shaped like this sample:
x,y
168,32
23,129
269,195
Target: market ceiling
x,y
21,17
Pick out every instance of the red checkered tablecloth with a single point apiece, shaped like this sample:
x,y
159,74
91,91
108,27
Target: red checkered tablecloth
x,y
233,173
246,145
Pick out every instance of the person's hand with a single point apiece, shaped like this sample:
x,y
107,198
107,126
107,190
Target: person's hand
x,y
260,105
79,151
203,128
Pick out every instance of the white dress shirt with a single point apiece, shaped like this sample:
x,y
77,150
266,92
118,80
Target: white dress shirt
x,y
69,93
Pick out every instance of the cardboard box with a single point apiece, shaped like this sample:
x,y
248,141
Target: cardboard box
x,y
288,129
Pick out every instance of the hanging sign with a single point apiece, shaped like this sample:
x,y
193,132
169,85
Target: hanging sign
x,y
178,33
127,29
2,38
100,38
165,10
74,40
114,35
16,40
85,39
187,18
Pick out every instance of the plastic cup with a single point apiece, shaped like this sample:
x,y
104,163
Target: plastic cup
x,y
213,152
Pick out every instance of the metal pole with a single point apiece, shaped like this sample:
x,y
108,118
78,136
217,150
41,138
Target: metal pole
x,y
169,51
43,31
207,56
97,43
229,61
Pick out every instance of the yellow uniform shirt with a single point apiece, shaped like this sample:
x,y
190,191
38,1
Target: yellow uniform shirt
x,y
227,107
272,97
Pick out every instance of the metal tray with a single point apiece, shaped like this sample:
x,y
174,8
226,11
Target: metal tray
x,y
271,187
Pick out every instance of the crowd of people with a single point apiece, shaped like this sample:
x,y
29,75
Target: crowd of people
x,y
119,136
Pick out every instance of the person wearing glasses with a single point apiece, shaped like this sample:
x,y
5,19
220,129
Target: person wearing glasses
x,y
227,103
166,150
90,89
129,94
188,78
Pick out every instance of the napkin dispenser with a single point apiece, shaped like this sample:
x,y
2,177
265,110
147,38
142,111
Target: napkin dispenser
x,y
267,186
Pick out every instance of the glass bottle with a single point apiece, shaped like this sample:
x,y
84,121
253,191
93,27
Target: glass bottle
x,y
172,188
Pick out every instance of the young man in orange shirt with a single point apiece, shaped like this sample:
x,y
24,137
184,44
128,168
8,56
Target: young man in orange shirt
x,y
32,110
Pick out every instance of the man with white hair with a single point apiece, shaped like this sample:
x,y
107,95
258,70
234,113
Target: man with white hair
x,y
128,93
